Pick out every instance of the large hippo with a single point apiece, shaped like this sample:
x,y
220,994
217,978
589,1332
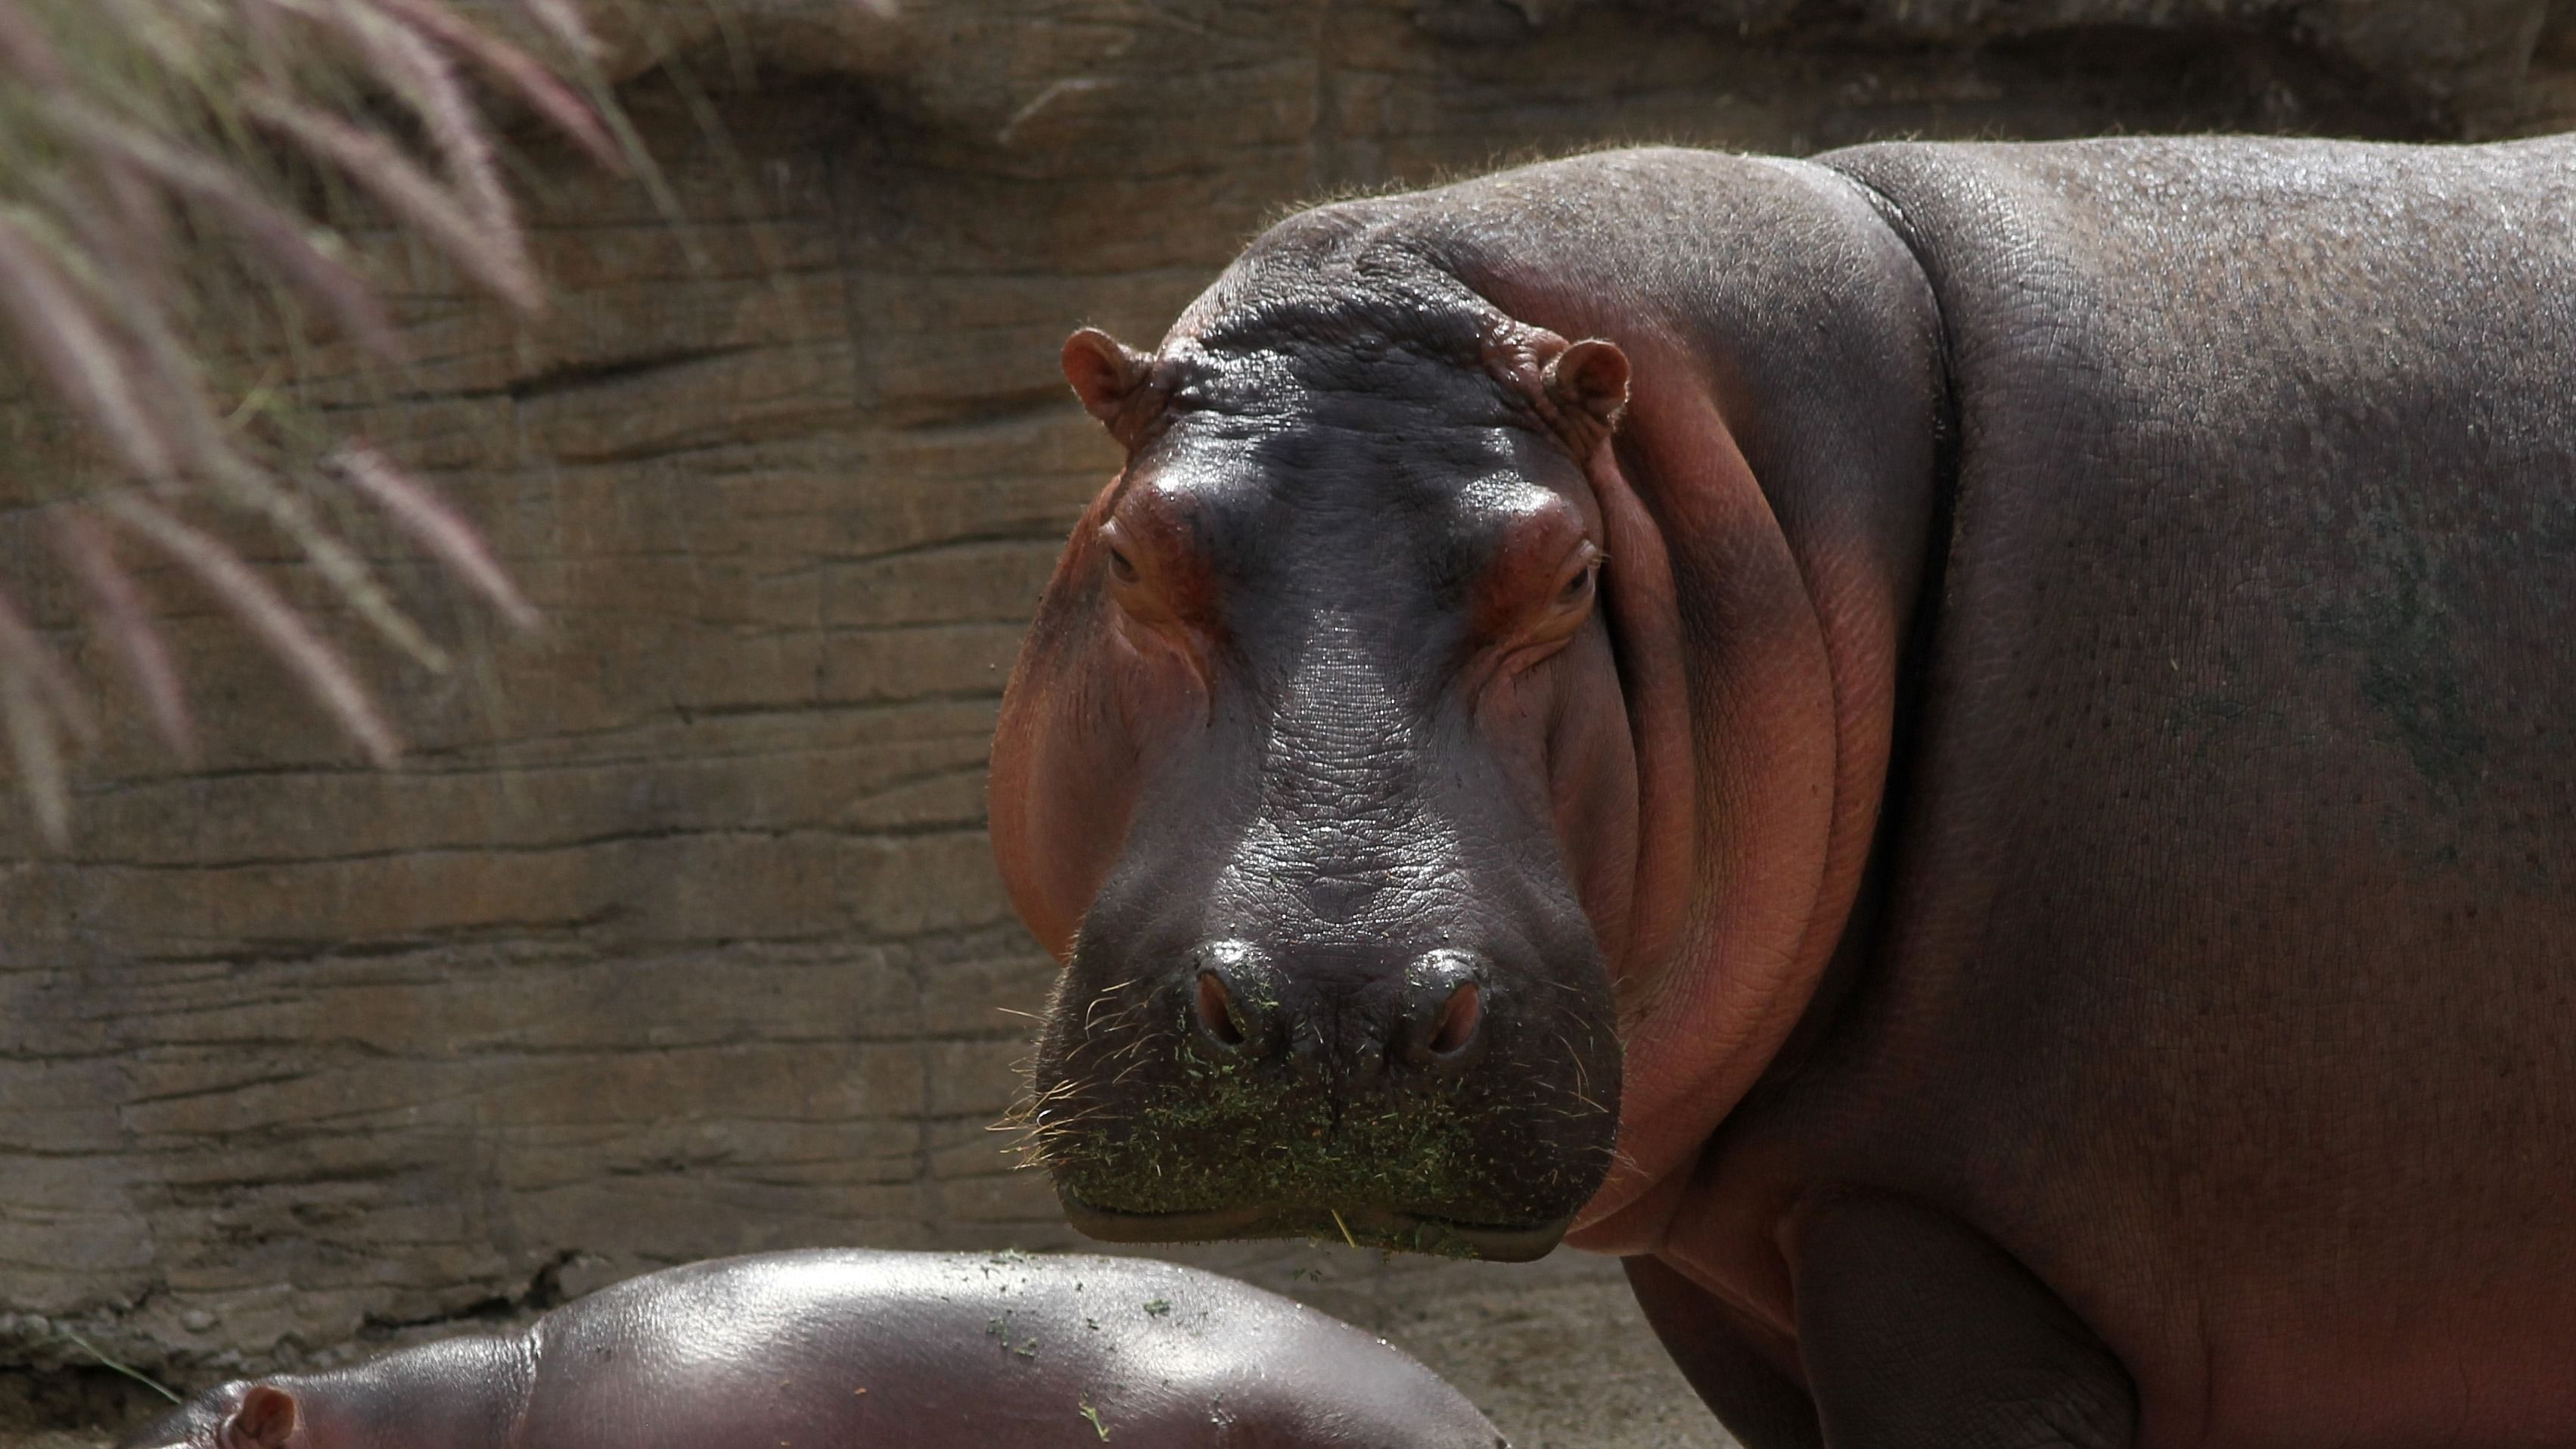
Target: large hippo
x,y
847,1349
1966,753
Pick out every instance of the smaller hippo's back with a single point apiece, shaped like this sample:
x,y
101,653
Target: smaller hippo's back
x,y
845,1349
866,1348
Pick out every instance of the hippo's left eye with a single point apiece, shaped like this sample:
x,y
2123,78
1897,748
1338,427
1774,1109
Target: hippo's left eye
x,y
1121,565
1583,571
1579,585
1547,620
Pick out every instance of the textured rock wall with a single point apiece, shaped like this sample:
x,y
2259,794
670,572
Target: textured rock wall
x,y
676,933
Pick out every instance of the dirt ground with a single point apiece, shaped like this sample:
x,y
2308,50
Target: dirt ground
x,y
1555,1353
1559,1363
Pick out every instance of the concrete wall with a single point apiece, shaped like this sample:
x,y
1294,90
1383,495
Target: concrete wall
x,y
676,934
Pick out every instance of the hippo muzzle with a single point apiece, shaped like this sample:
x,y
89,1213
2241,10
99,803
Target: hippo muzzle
x,y
1302,773
1443,1081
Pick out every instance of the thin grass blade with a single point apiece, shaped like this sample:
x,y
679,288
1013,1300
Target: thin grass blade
x,y
419,73
272,235
91,554
562,20
39,757
521,73
339,565
313,662
114,213
36,693
420,512
24,654
497,260
24,50
74,352
162,373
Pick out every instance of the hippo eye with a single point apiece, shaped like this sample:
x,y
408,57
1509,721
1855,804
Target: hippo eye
x,y
1121,565
1578,585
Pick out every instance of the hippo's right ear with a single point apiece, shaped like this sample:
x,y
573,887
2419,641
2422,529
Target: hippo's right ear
x,y
1109,376
266,1419
1588,382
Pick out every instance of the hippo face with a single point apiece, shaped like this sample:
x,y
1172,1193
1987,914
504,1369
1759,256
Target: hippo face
x,y
1315,773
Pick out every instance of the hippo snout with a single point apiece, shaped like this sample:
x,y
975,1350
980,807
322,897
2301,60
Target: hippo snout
x,y
1418,1097
1427,1019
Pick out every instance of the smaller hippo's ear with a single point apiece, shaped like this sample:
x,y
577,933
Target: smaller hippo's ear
x,y
1107,375
265,1420
1589,380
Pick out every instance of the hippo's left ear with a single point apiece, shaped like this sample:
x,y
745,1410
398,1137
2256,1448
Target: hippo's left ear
x,y
1589,381
1110,378
265,1420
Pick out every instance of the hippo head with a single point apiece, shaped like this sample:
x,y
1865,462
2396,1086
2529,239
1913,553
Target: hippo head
x,y
1315,773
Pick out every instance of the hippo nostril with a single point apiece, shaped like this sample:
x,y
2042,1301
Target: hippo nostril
x,y
1218,1015
1230,1002
1444,1014
1459,1018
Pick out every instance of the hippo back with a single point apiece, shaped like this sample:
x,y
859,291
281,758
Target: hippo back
x,y
847,1349
2241,797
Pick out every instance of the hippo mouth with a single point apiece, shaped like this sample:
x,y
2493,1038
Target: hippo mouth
x,y
1159,1131
1197,1151
1361,1227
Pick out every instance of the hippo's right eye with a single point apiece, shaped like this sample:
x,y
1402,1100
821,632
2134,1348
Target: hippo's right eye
x,y
1120,565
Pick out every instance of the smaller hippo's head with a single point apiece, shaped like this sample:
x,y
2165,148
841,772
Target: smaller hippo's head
x,y
237,1415
1314,771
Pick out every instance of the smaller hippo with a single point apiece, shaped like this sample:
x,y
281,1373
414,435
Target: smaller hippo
x,y
846,1349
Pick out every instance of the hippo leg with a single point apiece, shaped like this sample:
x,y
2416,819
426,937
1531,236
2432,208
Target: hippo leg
x,y
1916,1330
1761,1406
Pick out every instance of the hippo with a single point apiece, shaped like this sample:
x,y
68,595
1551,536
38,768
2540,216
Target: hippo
x,y
1965,754
849,1349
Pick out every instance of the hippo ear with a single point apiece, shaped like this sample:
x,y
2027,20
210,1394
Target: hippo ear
x,y
1589,380
1107,375
265,1420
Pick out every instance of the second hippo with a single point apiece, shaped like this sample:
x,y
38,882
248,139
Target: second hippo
x,y
848,1349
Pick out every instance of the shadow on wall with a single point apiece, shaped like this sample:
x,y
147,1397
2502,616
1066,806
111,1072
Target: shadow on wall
x,y
677,935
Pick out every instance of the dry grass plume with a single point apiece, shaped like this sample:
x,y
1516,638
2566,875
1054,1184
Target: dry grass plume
x,y
167,175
